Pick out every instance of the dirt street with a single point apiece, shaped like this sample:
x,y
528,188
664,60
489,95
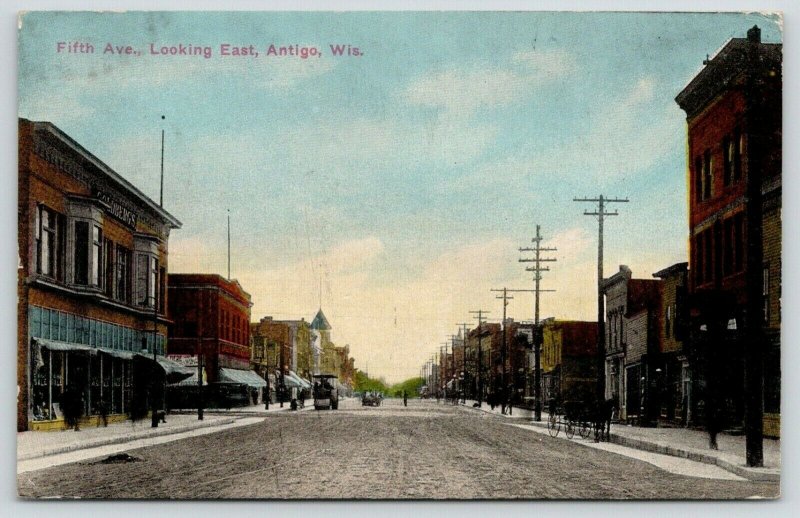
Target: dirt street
x,y
421,451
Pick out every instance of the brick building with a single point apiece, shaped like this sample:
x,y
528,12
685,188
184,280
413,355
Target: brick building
x,y
91,283
211,319
733,113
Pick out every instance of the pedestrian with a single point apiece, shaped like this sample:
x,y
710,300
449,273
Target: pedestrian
x,y
102,408
405,398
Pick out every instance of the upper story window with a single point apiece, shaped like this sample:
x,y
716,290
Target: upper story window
x,y
708,175
122,274
146,280
732,157
668,322
703,176
147,289
50,242
98,260
87,255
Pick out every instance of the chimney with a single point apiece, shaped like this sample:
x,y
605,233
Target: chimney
x,y
754,34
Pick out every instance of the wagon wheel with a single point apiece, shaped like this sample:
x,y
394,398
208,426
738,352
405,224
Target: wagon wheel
x,y
569,428
585,429
553,425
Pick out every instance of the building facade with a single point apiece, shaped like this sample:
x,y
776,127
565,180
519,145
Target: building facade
x,y
320,340
568,360
675,380
733,113
91,291
632,339
211,325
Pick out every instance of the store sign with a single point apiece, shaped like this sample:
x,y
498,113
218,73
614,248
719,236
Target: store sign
x,y
117,209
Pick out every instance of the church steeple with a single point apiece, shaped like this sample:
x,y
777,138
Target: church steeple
x,y
320,323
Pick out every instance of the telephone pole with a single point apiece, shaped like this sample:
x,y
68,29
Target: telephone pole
x,y
480,316
601,213
464,327
537,270
161,190
505,297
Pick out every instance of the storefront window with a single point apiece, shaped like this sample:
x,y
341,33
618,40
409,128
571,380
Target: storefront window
x,y
117,367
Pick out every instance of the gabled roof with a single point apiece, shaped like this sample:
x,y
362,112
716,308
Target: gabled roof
x,y
320,323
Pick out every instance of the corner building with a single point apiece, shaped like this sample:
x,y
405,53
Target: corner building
x,y
90,284
733,113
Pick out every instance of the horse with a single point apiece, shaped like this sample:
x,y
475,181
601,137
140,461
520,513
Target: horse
x,y
602,421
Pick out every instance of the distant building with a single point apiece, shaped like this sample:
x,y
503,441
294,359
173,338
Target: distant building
x,y
568,360
733,113
675,379
211,319
631,342
320,338
90,283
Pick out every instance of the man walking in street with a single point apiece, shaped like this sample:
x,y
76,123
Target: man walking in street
x,y
405,398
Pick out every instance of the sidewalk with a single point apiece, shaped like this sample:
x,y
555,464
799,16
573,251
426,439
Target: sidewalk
x,y
679,442
31,445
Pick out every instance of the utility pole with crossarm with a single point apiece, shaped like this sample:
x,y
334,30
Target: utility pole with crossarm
x,y
481,319
537,270
600,213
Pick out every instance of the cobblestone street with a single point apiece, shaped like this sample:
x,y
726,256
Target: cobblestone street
x,y
389,452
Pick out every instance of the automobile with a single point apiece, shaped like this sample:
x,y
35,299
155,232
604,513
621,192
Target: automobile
x,y
326,392
371,399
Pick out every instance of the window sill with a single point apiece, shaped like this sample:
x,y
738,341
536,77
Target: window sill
x,y
92,292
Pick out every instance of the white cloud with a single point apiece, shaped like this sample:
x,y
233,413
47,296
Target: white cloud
x,y
464,90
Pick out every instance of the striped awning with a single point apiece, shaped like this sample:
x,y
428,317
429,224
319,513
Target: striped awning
x,y
245,377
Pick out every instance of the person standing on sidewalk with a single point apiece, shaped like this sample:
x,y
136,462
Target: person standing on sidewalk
x,y
405,398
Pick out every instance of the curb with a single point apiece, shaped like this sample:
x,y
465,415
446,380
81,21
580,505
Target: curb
x,y
121,439
752,474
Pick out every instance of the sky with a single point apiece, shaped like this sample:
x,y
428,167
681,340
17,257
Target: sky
x,y
392,188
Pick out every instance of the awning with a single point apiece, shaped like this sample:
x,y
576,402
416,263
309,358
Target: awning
x,y
125,355
175,371
245,377
303,382
191,381
55,345
290,382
